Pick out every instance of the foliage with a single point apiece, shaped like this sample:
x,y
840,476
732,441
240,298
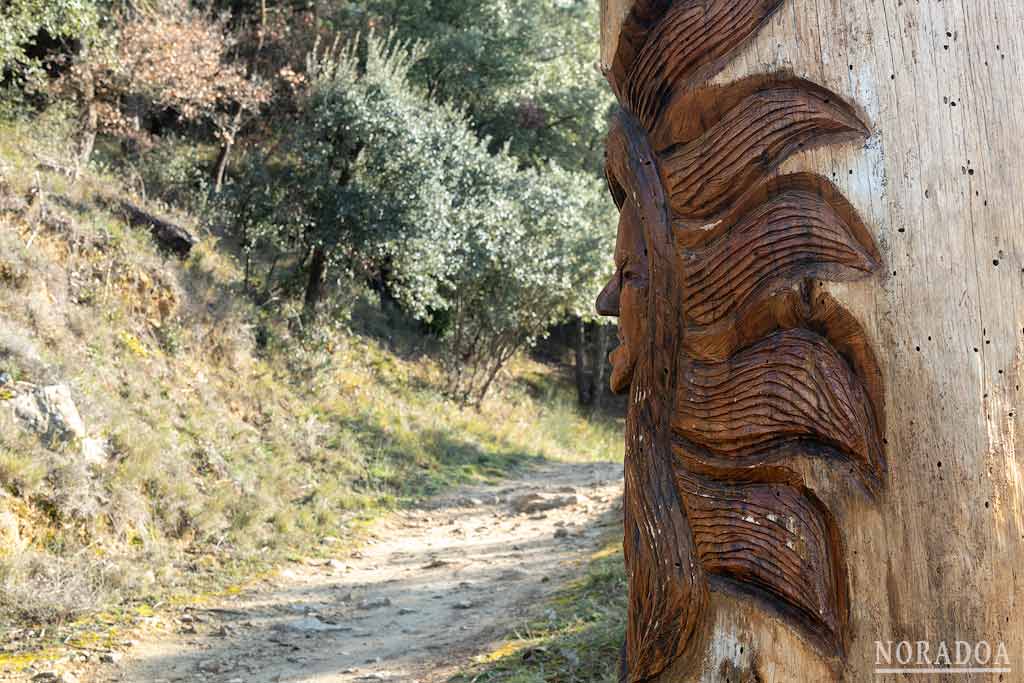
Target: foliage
x,y
223,452
399,191
168,61
24,22
523,70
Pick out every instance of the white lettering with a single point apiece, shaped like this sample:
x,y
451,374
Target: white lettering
x,y
1002,659
983,661
909,652
883,650
963,653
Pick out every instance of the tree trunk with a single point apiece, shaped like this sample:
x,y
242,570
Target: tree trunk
x,y
314,285
584,383
892,128
90,117
225,151
598,362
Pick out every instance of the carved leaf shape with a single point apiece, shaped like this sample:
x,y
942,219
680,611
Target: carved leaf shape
x,y
753,138
687,47
775,540
790,389
792,236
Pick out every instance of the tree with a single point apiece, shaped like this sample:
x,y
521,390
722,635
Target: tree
x,y
777,564
388,186
522,70
23,23
75,28
170,59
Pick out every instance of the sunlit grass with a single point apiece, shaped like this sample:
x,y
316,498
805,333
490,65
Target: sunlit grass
x,y
577,637
234,440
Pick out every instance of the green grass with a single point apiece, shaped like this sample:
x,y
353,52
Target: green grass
x,y
235,442
576,637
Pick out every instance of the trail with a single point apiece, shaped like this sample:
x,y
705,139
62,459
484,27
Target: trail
x,y
431,589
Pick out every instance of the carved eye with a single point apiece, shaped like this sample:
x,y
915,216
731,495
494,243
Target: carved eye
x,y
632,275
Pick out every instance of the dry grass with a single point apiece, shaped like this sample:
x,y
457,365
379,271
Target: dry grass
x,y
233,441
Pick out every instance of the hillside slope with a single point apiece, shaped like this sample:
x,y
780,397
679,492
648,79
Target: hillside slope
x,y
216,437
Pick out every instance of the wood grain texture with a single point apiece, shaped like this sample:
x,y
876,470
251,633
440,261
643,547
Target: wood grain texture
x,y
936,335
732,368
772,539
792,236
753,138
788,392
669,586
685,47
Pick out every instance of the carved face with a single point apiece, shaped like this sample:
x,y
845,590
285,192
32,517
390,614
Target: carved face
x,y
625,296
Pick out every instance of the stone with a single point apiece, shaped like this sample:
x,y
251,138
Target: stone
x,y
55,677
94,451
307,625
49,411
110,657
562,533
531,503
513,575
212,666
374,603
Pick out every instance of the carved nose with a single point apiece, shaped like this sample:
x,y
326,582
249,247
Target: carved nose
x,y
608,299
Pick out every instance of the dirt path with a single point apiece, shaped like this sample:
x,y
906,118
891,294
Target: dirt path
x,y
431,589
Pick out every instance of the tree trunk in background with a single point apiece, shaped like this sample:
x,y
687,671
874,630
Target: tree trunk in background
x,y
90,117
584,379
315,284
225,151
598,363
937,555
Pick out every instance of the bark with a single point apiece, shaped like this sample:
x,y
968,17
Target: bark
x,y
584,383
224,155
927,343
315,284
598,363
168,234
90,117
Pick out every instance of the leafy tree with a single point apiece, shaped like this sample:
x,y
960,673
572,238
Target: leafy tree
x,y
24,22
523,70
164,60
396,189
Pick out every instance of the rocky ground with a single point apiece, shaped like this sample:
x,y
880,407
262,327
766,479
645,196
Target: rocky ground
x,y
430,590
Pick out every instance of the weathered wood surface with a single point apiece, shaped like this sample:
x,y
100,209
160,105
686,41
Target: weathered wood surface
x,y
821,266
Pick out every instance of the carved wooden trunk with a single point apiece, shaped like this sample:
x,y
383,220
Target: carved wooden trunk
x,y
820,278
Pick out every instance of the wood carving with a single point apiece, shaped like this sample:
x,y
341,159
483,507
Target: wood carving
x,y
733,360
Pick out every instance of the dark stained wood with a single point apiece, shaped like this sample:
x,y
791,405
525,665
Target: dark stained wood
x,y
789,392
734,361
771,538
705,175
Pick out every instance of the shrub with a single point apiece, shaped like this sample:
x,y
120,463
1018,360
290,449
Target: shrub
x,y
383,184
